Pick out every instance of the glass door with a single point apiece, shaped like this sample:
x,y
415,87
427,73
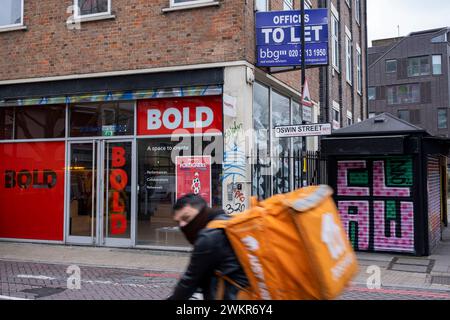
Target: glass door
x,y
82,193
100,201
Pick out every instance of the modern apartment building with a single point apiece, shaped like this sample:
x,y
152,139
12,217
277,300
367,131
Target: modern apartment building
x,y
102,102
409,78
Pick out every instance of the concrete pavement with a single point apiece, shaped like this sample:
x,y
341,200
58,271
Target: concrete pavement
x,y
38,271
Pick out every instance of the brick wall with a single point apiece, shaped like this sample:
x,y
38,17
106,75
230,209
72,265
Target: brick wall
x,y
140,36
340,90
293,78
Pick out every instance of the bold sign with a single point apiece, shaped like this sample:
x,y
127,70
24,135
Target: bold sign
x,y
278,38
309,130
32,190
193,175
118,179
180,116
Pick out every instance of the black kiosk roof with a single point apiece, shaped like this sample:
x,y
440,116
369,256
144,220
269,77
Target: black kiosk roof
x,y
383,135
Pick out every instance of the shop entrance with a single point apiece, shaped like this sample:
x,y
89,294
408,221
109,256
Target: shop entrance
x,y
100,197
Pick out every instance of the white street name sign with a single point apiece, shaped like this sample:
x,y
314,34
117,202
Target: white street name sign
x,y
308,130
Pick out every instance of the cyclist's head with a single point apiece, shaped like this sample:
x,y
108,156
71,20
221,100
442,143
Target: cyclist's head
x,y
187,208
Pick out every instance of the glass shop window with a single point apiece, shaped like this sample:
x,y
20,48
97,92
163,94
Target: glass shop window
x,y
261,123
102,119
39,122
281,147
157,186
6,123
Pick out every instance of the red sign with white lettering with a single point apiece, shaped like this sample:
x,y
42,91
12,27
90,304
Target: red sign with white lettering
x,y
189,115
32,190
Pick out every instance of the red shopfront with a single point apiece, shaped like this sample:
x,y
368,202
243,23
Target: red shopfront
x,y
104,173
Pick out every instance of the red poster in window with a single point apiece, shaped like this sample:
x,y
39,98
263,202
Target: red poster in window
x,y
158,117
32,190
193,175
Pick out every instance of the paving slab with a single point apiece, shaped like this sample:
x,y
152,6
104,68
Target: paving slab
x,y
409,268
373,256
89,256
367,263
419,262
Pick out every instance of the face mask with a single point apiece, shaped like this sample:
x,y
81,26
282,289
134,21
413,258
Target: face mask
x,y
192,229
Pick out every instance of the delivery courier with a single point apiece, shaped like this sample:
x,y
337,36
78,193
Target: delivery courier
x,y
290,247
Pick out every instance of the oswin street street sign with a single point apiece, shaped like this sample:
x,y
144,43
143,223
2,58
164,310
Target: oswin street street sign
x,y
309,130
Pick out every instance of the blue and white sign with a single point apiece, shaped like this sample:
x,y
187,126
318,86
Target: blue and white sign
x,y
278,38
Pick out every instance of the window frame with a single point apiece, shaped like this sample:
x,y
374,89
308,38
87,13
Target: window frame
x,y
358,11
433,64
335,29
15,25
406,111
446,118
369,95
395,94
349,59
359,76
189,3
336,111
290,5
91,15
257,5
386,66
410,75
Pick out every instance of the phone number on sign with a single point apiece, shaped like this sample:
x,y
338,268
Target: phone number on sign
x,y
309,53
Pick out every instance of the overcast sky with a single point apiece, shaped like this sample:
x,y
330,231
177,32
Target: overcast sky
x,y
412,15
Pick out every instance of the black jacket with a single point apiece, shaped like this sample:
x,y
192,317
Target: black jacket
x,y
212,252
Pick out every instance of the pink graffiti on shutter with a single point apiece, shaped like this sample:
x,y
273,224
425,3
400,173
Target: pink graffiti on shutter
x,y
362,218
396,243
379,183
342,181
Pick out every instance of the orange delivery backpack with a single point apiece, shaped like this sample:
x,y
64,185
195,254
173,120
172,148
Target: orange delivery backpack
x,y
292,247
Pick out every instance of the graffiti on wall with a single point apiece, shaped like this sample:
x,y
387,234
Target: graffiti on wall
x,y
375,203
234,169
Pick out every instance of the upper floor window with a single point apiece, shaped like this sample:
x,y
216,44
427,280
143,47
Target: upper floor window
x,y
442,119
359,83
260,5
288,4
391,66
403,114
174,3
92,7
437,64
418,66
11,13
358,11
403,94
335,42
349,59
372,93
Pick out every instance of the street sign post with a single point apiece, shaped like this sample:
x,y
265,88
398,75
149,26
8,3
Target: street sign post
x,y
308,130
